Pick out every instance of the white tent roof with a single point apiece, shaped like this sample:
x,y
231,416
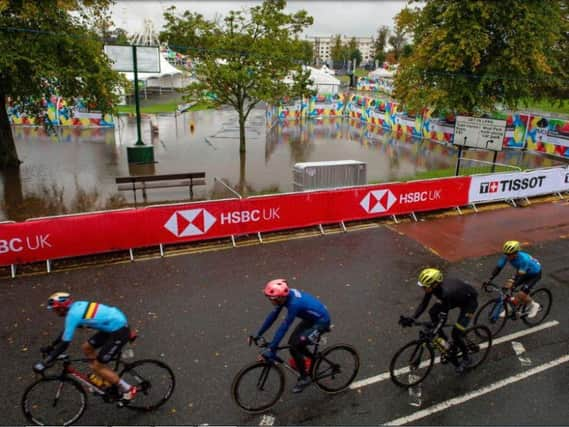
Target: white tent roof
x,y
327,70
320,77
166,69
381,72
323,83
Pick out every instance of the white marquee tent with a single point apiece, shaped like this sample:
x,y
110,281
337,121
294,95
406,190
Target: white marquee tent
x,y
323,83
168,77
381,72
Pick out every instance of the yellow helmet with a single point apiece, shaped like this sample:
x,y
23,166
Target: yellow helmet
x,y
511,247
429,277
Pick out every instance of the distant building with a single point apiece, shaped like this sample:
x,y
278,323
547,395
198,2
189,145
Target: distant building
x,y
323,48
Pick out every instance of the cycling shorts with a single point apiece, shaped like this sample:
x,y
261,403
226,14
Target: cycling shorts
x,y
528,281
110,343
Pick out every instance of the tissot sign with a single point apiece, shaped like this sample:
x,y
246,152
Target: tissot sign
x,y
486,188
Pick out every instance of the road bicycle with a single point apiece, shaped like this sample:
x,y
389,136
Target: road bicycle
x,y
490,314
61,399
259,385
413,362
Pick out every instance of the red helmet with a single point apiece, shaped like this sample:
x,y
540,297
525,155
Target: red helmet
x,y
59,300
276,288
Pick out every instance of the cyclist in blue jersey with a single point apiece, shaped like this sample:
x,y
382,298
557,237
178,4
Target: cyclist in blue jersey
x,y
528,273
315,320
112,334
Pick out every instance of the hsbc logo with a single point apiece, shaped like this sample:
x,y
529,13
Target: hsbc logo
x,y
192,222
378,201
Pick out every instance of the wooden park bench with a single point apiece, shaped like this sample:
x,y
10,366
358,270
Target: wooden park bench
x,y
146,182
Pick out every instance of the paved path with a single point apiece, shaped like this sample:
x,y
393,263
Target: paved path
x,y
195,312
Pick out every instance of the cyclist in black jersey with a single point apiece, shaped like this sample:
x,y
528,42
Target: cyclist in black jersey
x,y
452,293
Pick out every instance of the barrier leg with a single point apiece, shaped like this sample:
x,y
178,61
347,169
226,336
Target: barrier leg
x,y
131,254
344,229
259,237
560,196
527,200
13,270
233,241
321,229
48,265
161,250
458,210
414,216
394,218
474,207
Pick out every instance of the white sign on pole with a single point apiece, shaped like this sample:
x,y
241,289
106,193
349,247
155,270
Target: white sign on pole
x,y
477,132
147,58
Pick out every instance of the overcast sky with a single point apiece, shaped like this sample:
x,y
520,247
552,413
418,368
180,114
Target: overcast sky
x,y
351,18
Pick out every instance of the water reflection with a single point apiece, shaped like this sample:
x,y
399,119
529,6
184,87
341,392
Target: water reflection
x,y
74,171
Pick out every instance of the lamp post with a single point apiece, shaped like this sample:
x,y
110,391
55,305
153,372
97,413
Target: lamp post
x,y
138,153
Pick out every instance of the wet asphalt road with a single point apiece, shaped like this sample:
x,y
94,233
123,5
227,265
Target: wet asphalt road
x,y
195,312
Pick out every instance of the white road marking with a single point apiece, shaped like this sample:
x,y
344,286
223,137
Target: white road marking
x,y
481,391
506,338
519,349
267,420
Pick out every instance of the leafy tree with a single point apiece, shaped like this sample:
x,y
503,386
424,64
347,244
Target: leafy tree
x,y
338,52
379,44
50,46
397,42
243,59
471,56
306,51
354,53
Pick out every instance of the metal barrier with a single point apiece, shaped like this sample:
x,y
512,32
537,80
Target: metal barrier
x,y
483,167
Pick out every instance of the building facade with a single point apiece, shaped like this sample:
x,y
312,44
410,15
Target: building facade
x,y
323,48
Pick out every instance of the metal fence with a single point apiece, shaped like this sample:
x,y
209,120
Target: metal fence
x,y
468,166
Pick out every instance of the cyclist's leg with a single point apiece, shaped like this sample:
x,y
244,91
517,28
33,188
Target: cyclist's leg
x,y
91,346
298,342
434,314
109,350
525,286
460,326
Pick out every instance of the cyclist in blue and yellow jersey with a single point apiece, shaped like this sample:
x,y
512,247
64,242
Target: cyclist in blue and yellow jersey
x,y
452,293
315,320
528,273
112,334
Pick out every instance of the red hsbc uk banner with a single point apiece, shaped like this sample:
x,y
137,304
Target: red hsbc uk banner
x,y
76,235
400,198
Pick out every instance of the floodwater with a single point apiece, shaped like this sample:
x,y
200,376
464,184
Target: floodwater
x,y
74,171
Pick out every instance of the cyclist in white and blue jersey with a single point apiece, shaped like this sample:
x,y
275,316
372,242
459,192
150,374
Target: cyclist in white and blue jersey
x,y
528,273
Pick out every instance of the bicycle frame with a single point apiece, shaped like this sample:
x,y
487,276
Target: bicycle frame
x,y
279,361
69,371
449,354
505,296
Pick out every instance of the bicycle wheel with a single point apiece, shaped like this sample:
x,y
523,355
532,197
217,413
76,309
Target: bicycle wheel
x,y
489,315
155,382
478,340
54,401
544,298
412,363
336,367
258,386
